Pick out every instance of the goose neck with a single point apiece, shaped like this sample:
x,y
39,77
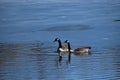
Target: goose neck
x,y
69,46
60,44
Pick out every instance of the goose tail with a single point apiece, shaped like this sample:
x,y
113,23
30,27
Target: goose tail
x,y
88,47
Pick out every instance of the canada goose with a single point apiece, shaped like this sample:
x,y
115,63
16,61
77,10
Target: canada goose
x,y
61,48
81,50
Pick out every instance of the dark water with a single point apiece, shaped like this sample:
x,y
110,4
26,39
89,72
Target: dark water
x,y
28,28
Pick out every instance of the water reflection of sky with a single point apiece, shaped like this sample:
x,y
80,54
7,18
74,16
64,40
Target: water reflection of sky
x,y
20,61
28,29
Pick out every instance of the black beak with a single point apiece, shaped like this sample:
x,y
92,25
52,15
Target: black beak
x,y
55,40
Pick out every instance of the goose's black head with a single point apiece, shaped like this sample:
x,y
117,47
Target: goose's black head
x,y
56,39
67,41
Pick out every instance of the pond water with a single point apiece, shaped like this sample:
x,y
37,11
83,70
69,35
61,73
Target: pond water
x,y
29,27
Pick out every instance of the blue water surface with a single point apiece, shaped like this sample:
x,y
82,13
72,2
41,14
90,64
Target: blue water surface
x,y
29,27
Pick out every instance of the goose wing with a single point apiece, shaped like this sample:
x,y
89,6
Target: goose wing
x,y
81,50
65,47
